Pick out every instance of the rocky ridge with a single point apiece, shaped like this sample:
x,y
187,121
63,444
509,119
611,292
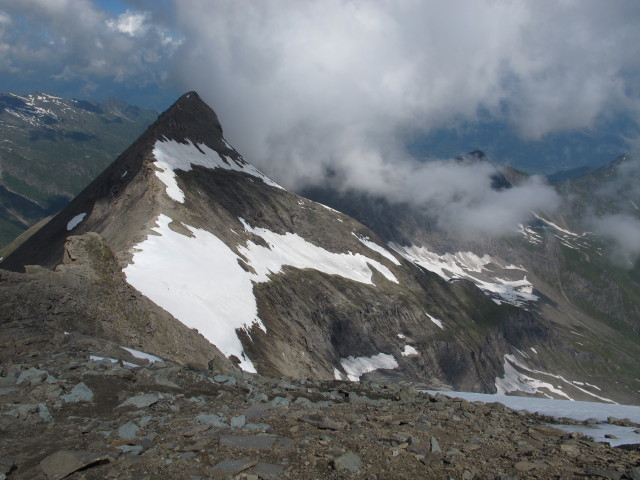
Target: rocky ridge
x,y
95,411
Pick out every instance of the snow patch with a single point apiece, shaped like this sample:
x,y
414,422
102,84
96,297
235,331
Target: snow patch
x,y
293,250
73,223
514,381
112,360
358,366
171,155
483,271
142,355
409,350
435,320
377,248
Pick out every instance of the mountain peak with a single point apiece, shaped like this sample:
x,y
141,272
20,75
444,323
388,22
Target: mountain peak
x,y
190,118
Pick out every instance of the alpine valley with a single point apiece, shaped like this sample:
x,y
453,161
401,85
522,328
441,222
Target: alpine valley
x,y
183,249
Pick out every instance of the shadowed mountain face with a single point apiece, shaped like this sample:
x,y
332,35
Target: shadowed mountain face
x,y
282,285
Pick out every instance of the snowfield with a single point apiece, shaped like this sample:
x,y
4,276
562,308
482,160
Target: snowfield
x,y
171,155
577,410
515,380
486,272
200,280
358,366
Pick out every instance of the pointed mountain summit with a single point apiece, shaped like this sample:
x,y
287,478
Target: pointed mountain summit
x,y
277,284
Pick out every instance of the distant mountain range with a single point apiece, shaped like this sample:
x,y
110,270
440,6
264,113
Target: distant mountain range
x,y
187,251
51,148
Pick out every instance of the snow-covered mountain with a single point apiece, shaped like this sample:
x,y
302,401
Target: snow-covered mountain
x,y
283,285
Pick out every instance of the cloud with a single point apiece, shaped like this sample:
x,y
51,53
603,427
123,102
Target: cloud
x,y
313,92
618,198
67,40
624,231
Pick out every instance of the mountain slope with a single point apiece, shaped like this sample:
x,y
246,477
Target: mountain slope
x,y
555,270
283,285
51,148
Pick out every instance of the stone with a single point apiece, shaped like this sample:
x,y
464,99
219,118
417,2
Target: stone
x,y
322,422
7,390
266,470
187,455
524,466
32,376
79,393
65,462
634,473
257,427
256,411
225,379
131,449
467,475
435,446
210,419
233,467
6,465
608,474
279,402
141,401
128,431
44,413
248,441
348,461
238,422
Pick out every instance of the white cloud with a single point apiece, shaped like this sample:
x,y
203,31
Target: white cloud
x,y
133,24
310,90
73,39
624,231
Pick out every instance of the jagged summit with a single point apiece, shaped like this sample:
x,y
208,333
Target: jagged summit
x,y
189,118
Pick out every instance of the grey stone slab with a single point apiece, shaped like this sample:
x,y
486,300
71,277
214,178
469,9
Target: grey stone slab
x,y
248,441
141,401
267,470
211,419
233,467
79,393
65,462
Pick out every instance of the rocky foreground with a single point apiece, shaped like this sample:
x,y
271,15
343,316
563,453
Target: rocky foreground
x,y
68,416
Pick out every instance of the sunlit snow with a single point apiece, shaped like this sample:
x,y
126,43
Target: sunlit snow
x,y
435,320
171,155
73,223
199,279
96,358
143,355
377,248
358,366
483,271
517,381
409,350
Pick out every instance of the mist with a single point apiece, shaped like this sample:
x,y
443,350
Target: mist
x,y
326,92
620,194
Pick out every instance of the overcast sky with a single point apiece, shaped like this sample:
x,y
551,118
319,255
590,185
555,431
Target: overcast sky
x,y
307,88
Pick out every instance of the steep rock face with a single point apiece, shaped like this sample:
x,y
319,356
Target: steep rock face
x,y
279,284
